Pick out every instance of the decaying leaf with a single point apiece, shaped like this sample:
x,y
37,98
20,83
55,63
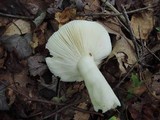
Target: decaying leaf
x,y
136,87
142,24
36,65
123,49
65,15
79,115
18,44
37,21
152,81
121,58
143,111
112,26
39,38
18,27
3,102
92,6
34,42
124,52
2,56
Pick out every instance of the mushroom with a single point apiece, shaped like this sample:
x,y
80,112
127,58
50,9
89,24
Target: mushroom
x,y
77,50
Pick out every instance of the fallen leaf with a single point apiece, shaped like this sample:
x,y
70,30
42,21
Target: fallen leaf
x,y
155,85
12,63
152,81
124,52
39,36
3,99
79,4
66,15
92,6
2,56
18,44
80,115
136,87
38,20
34,42
18,27
135,110
112,26
142,24
121,58
123,48
36,65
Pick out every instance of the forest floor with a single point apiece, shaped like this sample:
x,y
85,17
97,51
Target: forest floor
x,y
28,90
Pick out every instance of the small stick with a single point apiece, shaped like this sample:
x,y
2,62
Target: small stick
x,y
61,109
115,14
16,16
131,31
126,75
29,98
114,10
152,53
86,111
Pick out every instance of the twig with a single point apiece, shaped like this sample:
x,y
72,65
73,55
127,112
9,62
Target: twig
x,y
61,109
44,101
126,75
29,98
16,16
139,60
86,111
156,97
131,31
34,115
114,10
152,53
114,14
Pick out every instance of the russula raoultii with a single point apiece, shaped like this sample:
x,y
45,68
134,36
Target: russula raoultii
x,y
77,48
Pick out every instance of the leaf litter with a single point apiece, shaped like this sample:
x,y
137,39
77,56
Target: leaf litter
x,y
29,88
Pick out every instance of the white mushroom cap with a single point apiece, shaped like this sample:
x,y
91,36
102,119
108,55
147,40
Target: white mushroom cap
x,y
72,41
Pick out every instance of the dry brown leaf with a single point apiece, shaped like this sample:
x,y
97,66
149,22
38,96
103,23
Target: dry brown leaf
x,y
34,42
142,24
152,81
112,26
20,44
18,27
36,65
121,59
139,90
92,6
123,49
79,115
66,15
124,52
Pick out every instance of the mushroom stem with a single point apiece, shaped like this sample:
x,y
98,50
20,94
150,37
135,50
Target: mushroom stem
x,y
101,94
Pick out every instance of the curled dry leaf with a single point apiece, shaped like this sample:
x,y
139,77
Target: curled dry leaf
x,y
18,27
79,115
66,15
123,48
124,52
142,24
121,59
